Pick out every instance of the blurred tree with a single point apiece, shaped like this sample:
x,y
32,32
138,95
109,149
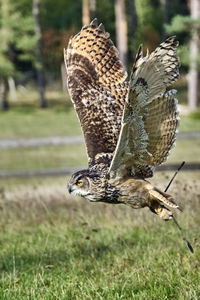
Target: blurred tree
x,y
39,60
105,12
6,67
166,17
121,30
85,12
17,44
146,19
188,28
65,15
88,11
64,21
194,74
92,9
133,19
165,4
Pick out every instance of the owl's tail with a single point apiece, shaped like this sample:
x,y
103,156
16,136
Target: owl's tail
x,y
157,202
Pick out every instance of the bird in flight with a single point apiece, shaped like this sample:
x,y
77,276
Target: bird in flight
x,y
129,126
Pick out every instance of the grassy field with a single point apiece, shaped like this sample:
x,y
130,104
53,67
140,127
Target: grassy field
x,y
75,156
57,247
26,120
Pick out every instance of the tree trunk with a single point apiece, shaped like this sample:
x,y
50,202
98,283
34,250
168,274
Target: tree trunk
x,y
121,30
12,88
63,77
193,76
4,95
85,12
5,32
39,62
92,9
133,19
166,19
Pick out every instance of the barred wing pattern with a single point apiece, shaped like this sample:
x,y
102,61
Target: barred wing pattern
x,y
96,83
150,116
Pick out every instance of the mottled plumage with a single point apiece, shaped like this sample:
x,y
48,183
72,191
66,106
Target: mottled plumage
x,y
96,83
129,127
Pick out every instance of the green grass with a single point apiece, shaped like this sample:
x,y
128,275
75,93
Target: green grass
x,y
43,157
111,264
189,123
25,119
185,150
39,123
55,247
75,156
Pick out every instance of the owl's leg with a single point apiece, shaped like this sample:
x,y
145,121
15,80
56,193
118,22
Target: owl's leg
x,y
157,202
160,210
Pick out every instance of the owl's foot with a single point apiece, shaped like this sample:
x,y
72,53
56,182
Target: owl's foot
x,y
162,198
160,210
158,201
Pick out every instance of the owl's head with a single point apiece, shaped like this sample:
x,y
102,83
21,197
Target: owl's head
x,y
81,183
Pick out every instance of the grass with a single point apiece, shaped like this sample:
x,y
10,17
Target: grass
x,y
26,120
39,123
55,247
189,123
185,150
75,156
43,157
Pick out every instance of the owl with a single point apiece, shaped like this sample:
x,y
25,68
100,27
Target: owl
x,y
129,126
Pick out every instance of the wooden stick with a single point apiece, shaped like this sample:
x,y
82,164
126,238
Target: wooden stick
x,y
175,221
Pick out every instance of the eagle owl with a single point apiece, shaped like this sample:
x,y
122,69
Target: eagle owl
x,y
129,126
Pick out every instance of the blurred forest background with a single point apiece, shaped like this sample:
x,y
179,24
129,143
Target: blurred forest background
x,y
54,246
34,33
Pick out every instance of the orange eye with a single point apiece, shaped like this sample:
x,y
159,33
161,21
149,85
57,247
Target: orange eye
x,y
79,183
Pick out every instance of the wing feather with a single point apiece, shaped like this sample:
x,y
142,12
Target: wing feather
x,y
150,116
96,83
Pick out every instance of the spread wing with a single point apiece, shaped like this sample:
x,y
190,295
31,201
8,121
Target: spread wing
x,y
96,83
150,116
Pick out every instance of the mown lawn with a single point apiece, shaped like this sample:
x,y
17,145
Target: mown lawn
x,y
56,247
26,120
32,158
60,120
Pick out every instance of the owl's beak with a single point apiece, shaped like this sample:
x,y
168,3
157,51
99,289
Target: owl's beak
x,y
69,188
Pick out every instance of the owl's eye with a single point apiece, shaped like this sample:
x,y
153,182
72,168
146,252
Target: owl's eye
x,y
79,182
